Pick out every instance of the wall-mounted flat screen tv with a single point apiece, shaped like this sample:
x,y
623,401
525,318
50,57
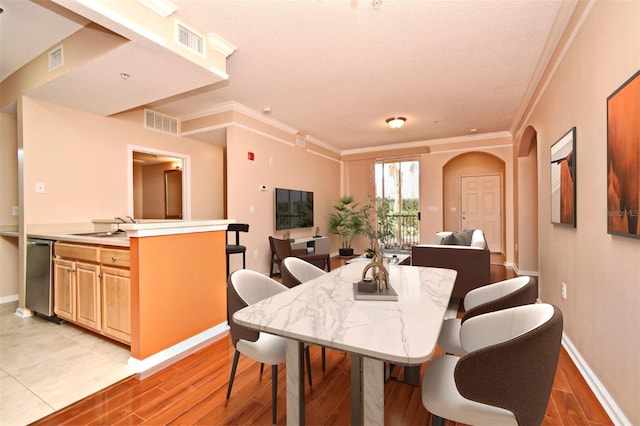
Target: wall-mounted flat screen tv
x,y
294,209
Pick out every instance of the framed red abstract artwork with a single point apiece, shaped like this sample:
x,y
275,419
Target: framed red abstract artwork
x,y
563,180
623,159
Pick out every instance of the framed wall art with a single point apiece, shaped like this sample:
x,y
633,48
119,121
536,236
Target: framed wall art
x,y
563,180
623,159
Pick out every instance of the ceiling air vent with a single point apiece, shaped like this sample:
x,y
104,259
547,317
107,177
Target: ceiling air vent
x,y
300,140
160,122
56,58
189,39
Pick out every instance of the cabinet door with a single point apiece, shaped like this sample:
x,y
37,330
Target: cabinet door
x,y
116,303
88,296
64,289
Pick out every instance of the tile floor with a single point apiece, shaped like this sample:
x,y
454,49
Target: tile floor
x,y
45,367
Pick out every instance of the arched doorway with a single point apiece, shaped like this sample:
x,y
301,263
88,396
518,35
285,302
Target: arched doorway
x,y
473,196
526,238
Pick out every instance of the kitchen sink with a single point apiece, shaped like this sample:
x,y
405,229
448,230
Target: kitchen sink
x,y
103,234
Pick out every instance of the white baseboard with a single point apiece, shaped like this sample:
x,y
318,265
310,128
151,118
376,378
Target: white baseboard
x,y
601,393
7,299
177,351
522,271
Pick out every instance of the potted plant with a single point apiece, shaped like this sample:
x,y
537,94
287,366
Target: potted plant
x,y
346,221
373,227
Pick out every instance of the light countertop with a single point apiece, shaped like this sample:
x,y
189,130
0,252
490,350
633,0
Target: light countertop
x,y
144,228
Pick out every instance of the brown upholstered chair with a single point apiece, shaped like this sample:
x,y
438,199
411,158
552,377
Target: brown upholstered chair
x,y
507,375
492,297
281,249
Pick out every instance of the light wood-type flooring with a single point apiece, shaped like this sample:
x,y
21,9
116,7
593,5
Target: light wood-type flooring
x,y
193,390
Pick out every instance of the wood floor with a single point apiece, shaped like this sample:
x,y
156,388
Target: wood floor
x,y
193,391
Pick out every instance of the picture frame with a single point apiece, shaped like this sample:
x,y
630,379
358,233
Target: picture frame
x,y
563,180
623,159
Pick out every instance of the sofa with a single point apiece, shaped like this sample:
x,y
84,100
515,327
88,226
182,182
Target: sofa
x,y
464,251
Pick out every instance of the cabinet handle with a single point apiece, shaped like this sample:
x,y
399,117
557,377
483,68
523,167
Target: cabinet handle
x,y
114,258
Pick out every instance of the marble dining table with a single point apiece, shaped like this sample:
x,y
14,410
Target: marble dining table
x,y
324,311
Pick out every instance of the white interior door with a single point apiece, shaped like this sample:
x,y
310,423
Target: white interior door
x,y
481,207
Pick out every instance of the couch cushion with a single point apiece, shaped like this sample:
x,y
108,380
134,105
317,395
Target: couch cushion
x,y
441,235
458,238
477,239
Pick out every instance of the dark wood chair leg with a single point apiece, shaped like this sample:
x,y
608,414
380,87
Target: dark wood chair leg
x,y
324,357
236,356
308,356
261,368
437,421
274,393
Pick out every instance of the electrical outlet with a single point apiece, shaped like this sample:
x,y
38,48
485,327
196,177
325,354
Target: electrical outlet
x,y
563,289
255,253
15,211
39,187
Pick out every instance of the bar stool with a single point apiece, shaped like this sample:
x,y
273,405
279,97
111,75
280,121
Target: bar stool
x,y
236,248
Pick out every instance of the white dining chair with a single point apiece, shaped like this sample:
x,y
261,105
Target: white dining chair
x,y
296,271
506,376
492,297
246,287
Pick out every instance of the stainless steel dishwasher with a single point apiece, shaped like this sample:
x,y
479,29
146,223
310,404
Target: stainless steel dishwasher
x,y
39,289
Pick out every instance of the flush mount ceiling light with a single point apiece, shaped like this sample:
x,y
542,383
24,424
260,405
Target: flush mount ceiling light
x,y
396,122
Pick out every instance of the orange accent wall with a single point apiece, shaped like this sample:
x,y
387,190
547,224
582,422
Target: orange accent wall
x,y
178,289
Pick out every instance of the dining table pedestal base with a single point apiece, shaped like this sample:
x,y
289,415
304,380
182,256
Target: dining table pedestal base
x,y
295,382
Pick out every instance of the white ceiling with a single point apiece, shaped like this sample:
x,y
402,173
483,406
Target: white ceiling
x,y
336,69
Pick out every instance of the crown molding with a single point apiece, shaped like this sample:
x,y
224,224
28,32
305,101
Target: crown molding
x,y
427,142
243,109
220,44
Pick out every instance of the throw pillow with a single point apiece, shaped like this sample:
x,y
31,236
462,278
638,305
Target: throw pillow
x,y
458,238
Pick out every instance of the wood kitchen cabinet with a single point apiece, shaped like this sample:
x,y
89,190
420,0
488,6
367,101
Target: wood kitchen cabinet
x,y
116,294
88,296
77,285
64,289
92,288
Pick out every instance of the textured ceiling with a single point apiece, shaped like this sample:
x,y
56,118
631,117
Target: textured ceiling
x,y
336,69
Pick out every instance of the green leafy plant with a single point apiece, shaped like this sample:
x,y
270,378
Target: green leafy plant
x,y
346,221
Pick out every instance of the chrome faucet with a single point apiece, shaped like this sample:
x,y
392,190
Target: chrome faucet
x,y
131,220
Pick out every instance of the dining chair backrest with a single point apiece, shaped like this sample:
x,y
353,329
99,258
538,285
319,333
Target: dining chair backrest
x,y
246,287
281,248
501,295
296,271
236,228
511,360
